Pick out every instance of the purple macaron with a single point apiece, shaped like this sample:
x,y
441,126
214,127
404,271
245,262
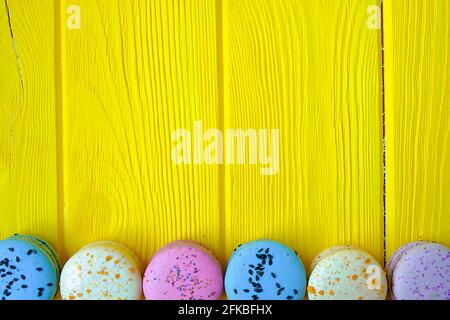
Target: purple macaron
x,y
396,256
420,271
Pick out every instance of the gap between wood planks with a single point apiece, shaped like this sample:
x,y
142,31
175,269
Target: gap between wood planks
x,y
221,120
59,109
20,73
383,110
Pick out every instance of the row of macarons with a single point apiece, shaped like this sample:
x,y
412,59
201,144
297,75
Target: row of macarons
x,y
186,270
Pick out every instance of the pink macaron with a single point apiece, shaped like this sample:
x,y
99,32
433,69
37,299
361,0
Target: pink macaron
x,y
183,270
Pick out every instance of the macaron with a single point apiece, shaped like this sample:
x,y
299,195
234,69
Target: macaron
x,y
29,269
183,270
265,270
395,258
347,273
420,271
325,253
102,270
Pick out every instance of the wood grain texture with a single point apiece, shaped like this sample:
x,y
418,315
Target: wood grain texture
x,y
88,157
313,70
27,120
133,73
417,47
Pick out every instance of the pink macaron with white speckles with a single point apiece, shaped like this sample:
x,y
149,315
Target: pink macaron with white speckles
x,y
183,270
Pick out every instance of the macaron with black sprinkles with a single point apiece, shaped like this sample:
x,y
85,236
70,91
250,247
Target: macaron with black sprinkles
x,y
265,270
29,269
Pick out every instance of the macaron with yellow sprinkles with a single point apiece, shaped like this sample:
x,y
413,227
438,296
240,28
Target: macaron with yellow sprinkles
x,y
347,273
102,271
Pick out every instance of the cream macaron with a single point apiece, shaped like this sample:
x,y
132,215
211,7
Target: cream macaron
x,y
103,270
325,253
346,273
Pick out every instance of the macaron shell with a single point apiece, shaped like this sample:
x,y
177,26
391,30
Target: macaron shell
x,y
350,274
265,270
27,272
102,271
423,273
183,270
192,244
395,258
46,249
327,252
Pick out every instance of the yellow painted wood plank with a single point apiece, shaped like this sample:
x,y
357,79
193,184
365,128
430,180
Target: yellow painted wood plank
x,y
28,176
417,47
133,73
312,69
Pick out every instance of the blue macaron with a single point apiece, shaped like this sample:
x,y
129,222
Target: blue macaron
x,y
265,270
29,269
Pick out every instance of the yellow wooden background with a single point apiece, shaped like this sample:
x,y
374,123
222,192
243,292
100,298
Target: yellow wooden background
x,y
86,118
